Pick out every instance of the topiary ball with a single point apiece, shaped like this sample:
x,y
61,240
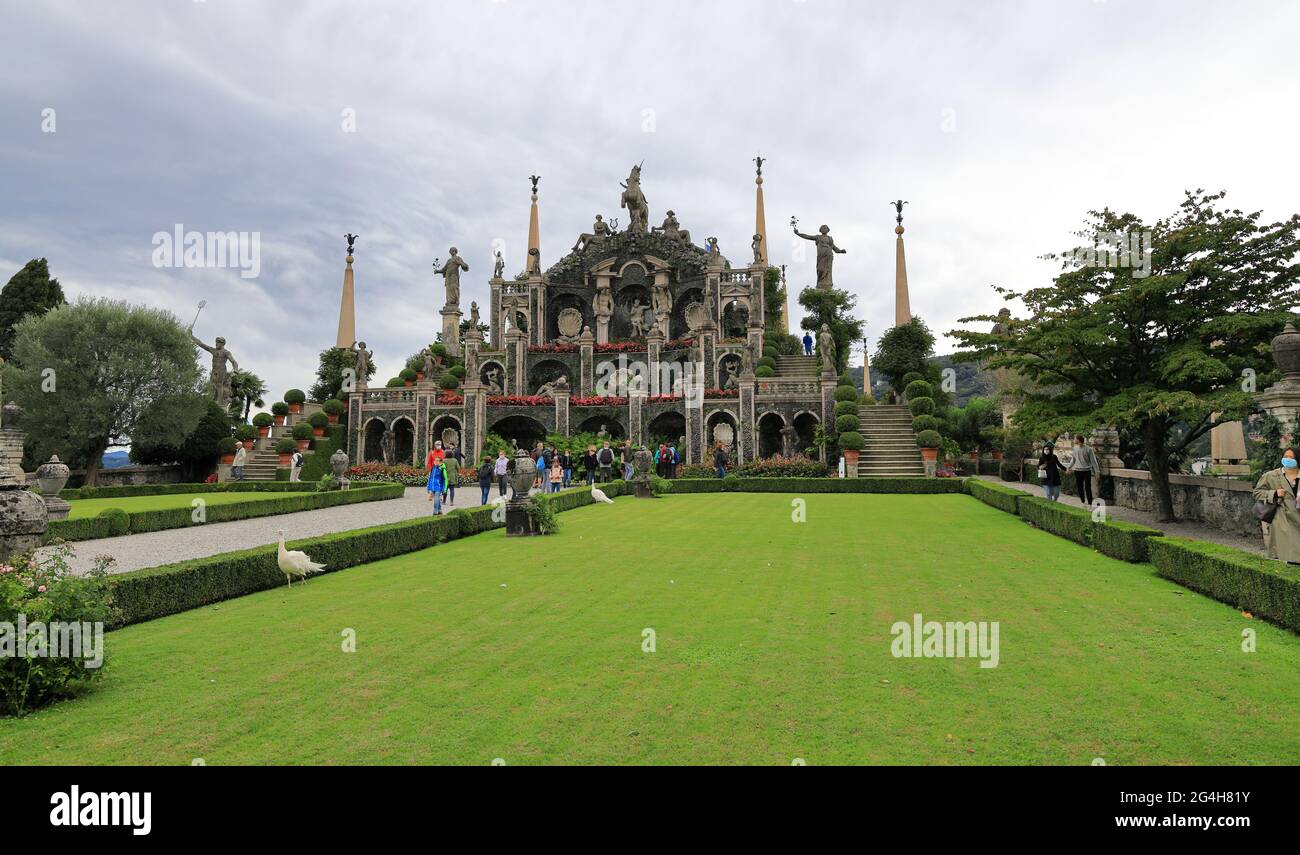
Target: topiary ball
x,y
119,521
851,440
918,389
926,422
929,439
764,371
846,393
846,408
847,423
921,406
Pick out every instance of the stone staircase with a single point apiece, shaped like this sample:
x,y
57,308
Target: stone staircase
x,y
796,367
890,443
263,459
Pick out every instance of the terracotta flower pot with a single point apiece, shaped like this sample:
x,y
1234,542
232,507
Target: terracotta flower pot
x,y
279,420
318,431
304,444
228,459
419,375
285,459
264,431
929,454
333,419
973,455
851,458
295,408
997,455
408,382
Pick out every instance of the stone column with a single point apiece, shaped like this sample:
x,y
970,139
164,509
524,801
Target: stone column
x,y
471,438
422,442
694,399
755,339
562,413
635,404
586,360
451,329
748,438
516,362
655,343
12,440
828,408
537,302
494,312
757,303
708,335
354,425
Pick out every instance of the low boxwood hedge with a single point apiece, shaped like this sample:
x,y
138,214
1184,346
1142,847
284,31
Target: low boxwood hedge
x,y
1123,540
1063,520
109,524
1266,588
155,592
1002,498
125,491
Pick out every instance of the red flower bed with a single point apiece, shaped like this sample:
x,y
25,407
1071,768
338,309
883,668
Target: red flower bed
x,y
447,399
679,343
663,399
552,348
621,347
721,393
599,401
520,400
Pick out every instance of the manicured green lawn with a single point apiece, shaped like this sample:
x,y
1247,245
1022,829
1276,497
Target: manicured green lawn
x,y
773,643
92,507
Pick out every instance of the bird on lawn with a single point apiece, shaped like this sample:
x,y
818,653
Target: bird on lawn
x,y
295,563
599,495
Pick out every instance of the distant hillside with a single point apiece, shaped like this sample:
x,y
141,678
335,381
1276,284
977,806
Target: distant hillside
x,y
114,460
971,381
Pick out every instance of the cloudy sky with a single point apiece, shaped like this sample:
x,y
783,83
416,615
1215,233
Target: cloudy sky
x,y
1001,123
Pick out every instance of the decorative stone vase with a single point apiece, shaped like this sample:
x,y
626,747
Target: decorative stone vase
x,y
1286,354
642,460
521,479
23,516
339,464
52,476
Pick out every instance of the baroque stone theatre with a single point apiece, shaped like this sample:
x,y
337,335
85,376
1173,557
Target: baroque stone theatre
x,y
645,333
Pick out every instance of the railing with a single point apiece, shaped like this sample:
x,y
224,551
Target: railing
x,y
788,388
389,396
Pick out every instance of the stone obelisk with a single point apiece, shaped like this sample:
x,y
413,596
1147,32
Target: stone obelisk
x,y
902,306
347,308
760,229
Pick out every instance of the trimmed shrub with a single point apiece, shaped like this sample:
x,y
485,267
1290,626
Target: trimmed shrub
x,y
867,400
295,396
117,520
847,423
918,389
768,361
263,420
458,370
912,377
770,351
1123,540
846,393
318,419
225,445
303,430
1264,587
245,433
334,407
1072,523
448,381
285,445
850,439
120,491
927,422
280,408
846,408
929,439
407,375
921,406
1002,498
394,382
764,371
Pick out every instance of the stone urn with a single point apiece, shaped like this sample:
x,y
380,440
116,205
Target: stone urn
x,y
521,479
23,518
52,476
339,463
1286,354
518,522
641,463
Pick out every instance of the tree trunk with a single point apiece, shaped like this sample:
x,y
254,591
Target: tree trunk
x,y
1153,443
92,465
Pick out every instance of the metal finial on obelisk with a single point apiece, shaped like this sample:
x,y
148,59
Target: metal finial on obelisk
x,y
898,206
351,239
758,162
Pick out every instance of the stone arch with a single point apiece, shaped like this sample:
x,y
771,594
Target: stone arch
x,y
501,378
677,325
711,439
768,430
806,422
557,304
404,440
593,424
722,375
735,318
668,426
373,435
548,371
526,431
438,430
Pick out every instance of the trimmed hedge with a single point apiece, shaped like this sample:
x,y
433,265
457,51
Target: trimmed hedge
x,y
126,491
1002,498
155,592
1062,520
109,525
734,484
1264,587
1123,540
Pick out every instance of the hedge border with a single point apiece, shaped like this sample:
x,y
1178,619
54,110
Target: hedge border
x,y
138,522
1262,586
154,592
127,491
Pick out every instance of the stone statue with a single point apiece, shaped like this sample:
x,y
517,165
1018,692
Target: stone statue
x,y
361,360
473,314
499,267
714,253
757,246
663,299
388,446
633,199
450,273
493,376
549,390
219,377
826,343
825,247
534,261
637,317
599,231
604,302
789,441
732,367
672,230
427,355
603,433
1003,325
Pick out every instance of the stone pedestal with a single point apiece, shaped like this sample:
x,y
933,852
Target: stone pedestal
x,y
23,518
339,464
655,344
52,476
635,404
1283,403
748,450
494,311
518,522
586,359
562,413
451,316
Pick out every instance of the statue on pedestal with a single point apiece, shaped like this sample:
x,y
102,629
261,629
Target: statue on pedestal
x,y
599,231
757,247
825,249
637,318
361,361
603,304
673,230
450,273
388,446
493,376
219,376
826,343
473,314
633,199
789,441
499,267
427,355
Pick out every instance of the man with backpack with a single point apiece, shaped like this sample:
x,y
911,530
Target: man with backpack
x,y
486,475
605,459
295,466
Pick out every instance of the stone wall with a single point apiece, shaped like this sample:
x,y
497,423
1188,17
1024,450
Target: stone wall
x,y
127,475
1219,503
11,450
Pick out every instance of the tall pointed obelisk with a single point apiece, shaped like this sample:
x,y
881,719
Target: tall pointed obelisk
x,y
902,306
347,308
534,259
866,367
760,229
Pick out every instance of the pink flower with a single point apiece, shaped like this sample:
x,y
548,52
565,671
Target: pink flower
x,y
5,568
41,589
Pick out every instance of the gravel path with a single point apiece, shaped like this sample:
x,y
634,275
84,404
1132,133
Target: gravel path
x,y
150,549
1175,529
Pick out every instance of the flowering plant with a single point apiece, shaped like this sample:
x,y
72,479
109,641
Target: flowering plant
x,y
520,400
553,348
402,473
621,347
448,399
721,393
599,401
678,343
663,399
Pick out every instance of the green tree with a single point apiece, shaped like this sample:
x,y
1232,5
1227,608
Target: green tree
x,y
102,373
197,453
246,391
834,308
773,299
1157,347
903,350
329,374
30,291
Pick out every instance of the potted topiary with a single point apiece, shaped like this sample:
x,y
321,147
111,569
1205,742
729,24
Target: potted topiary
x,y
921,406
285,448
245,433
333,409
448,381
278,411
929,442
263,421
295,398
416,364
918,389
408,376
226,448
764,371
303,433
846,392
318,422
394,382
851,443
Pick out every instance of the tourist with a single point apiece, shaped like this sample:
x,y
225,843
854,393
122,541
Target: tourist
x,y
566,466
1049,473
720,461
486,474
661,461
437,484
295,465
455,459
675,457
1279,487
540,480
589,464
807,344
434,459
605,458
627,460
237,468
557,474
1083,464
501,468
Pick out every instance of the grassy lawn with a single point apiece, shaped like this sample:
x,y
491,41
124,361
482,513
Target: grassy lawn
x,y
773,643
92,507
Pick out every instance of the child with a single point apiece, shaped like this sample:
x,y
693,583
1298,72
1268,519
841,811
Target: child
x,y
437,483
557,474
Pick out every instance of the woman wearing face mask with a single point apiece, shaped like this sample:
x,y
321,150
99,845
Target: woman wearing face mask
x,y
1049,472
1279,487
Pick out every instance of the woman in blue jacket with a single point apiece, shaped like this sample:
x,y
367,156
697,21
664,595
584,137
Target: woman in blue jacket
x,y
437,484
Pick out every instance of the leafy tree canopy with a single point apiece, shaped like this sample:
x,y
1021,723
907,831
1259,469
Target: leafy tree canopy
x,y
329,374
30,291
833,307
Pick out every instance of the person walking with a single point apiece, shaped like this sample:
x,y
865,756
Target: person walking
x,y
455,459
605,459
295,466
1049,473
589,464
1281,487
486,475
501,469
566,466
557,474
720,460
437,485
432,459
1083,464
540,481
807,344
241,457
674,458
627,460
